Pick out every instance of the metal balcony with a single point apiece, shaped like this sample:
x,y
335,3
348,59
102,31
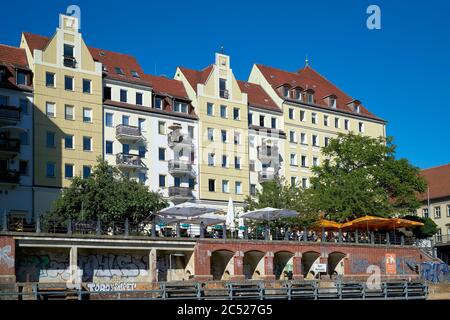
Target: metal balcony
x,y
179,168
180,194
224,94
128,133
264,176
9,114
69,62
9,177
268,152
129,161
9,146
177,138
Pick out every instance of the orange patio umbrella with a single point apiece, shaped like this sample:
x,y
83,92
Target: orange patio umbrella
x,y
364,223
396,223
327,225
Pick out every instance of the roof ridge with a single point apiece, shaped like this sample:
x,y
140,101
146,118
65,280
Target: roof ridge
x,y
12,47
435,167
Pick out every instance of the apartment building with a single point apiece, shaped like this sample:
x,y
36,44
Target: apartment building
x,y
16,133
222,109
67,109
314,111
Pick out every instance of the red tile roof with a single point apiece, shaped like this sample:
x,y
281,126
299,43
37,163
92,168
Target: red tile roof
x,y
308,78
438,179
194,76
257,97
166,86
12,58
109,59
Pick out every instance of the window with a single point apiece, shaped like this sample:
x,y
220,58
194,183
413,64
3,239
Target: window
x,y
315,162
50,79
314,118
293,159
139,98
251,141
337,123
180,107
223,111
261,120
224,135
304,183
87,115
292,136
161,154
69,112
50,140
123,95
425,213
87,86
237,138
109,120
142,177
50,109
237,162
68,50
161,127
191,184
141,124
142,151
361,126
107,93
125,148
333,103
357,109
119,71
211,185
158,103
225,186
298,94
286,92
253,189
211,159
302,115
293,181
162,181
50,170
21,78
448,210
304,160
310,97
210,134
23,103
23,167
303,139
68,83
326,141
4,100
346,124
238,187
68,142
87,144
191,132
314,141
86,172
325,121
68,171
291,113
273,123
223,92
250,118
236,114
437,212
23,136
224,161
134,74
126,120
210,109
252,165
109,147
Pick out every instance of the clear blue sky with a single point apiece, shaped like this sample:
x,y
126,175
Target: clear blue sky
x,y
401,72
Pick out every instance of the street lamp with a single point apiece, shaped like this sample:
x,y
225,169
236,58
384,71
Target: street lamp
x,y
170,261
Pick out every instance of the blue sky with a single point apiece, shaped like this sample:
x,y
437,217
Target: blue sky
x,y
401,72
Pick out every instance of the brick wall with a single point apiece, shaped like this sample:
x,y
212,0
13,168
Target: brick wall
x,y
7,260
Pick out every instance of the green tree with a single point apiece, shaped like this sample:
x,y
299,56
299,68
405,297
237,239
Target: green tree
x,y
106,195
361,176
429,228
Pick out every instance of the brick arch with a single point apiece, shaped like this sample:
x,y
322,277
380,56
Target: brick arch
x,y
221,264
336,262
253,264
283,264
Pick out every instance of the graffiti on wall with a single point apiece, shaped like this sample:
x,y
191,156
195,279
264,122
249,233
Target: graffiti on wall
x,y
45,267
359,266
435,271
5,256
108,287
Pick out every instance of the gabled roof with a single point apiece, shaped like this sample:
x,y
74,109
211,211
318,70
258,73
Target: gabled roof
x,y
109,59
167,87
11,59
194,76
307,78
438,179
257,97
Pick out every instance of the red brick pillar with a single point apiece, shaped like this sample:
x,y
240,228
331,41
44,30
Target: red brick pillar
x,y
268,266
202,264
297,272
324,260
238,267
7,260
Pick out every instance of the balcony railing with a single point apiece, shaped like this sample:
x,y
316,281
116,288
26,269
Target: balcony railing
x,y
9,146
264,176
125,132
128,161
70,62
180,168
176,137
9,114
224,94
180,192
268,152
10,177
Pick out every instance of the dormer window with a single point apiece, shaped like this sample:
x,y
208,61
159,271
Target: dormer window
x,y
357,109
286,92
135,74
298,94
180,107
310,96
21,78
119,71
333,103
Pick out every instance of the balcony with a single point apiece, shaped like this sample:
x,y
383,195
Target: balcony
x,y
268,152
9,115
69,62
224,94
9,177
264,176
180,194
179,168
9,146
128,133
177,138
129,161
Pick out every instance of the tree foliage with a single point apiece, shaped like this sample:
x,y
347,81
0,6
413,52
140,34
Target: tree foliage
x,y
361,176
106,195
429,228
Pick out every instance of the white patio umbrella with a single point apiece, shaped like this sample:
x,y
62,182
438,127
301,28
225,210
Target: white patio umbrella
x,y
208,219
230,216
268,214
186,209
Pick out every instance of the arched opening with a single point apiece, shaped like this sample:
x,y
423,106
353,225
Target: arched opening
x,y
309,260
283,266
222,264
253,265
336,264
